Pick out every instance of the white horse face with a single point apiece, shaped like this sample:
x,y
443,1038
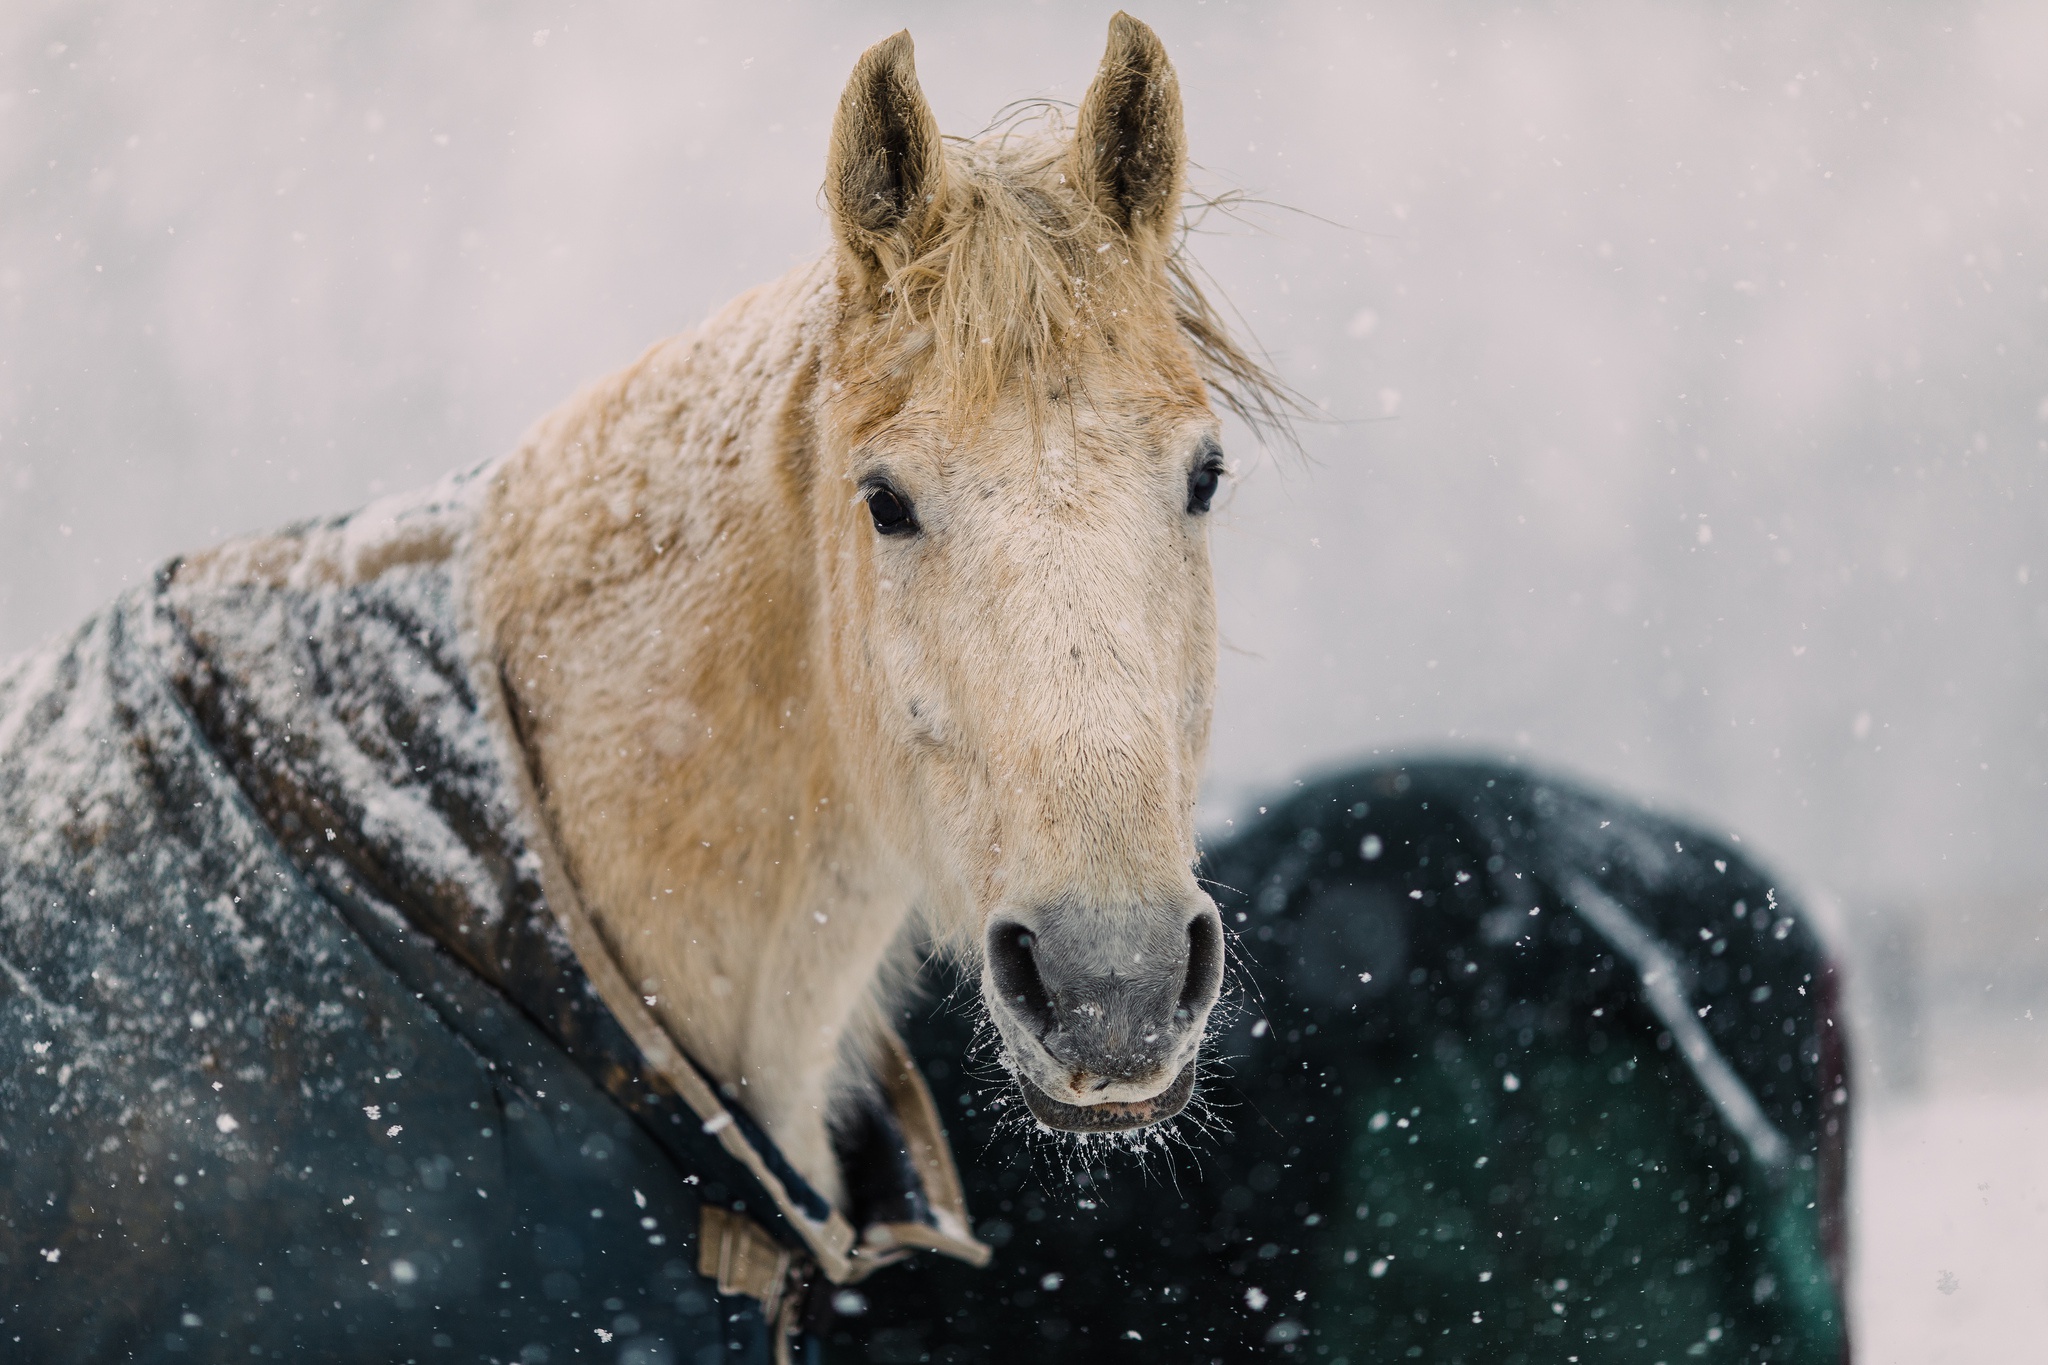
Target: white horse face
x,y
1021,595
1032,616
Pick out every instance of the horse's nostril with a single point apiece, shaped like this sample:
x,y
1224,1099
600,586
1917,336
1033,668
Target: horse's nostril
x,y
1013,962
1205,967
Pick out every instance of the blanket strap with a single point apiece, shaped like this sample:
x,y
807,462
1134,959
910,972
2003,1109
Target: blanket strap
x,y
733,1250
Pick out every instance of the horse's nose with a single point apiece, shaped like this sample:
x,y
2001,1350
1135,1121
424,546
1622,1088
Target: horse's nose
x,y
1116,999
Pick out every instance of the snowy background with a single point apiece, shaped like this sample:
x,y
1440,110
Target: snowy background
x,y
1687,378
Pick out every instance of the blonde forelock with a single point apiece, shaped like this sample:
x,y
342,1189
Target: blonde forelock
x,y
1023,275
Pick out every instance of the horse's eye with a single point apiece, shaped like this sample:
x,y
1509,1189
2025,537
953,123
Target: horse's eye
x,y
1202,483
891,511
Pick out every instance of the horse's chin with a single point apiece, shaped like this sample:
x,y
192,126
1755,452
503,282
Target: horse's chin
x,y
1111,1116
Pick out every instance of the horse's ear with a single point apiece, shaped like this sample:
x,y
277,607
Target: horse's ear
x,y
1131,149
883,174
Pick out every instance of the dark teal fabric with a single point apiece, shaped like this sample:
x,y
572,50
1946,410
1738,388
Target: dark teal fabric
x,y
1490,1151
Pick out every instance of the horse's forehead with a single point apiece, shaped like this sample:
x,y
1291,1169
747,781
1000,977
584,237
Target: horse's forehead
x,y
1070,440
1031,418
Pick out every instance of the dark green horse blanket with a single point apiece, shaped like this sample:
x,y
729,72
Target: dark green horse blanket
x,y
306,1062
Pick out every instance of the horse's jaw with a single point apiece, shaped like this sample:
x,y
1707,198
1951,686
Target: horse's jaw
x,y
1111,1116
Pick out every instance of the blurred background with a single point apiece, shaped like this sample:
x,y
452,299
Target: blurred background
x,y
1684,380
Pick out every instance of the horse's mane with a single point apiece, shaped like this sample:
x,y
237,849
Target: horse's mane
x,y
1024,270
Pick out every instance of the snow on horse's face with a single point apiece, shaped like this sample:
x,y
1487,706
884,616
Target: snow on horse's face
x,y
1018,583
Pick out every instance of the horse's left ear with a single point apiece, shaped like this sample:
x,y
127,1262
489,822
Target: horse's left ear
x,y
1131,149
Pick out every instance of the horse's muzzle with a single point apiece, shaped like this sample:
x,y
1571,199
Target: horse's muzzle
x,y
1102,1011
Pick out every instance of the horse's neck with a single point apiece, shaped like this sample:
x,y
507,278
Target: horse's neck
x,y
647,562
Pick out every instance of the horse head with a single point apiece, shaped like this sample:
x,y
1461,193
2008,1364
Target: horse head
x,y
1022,617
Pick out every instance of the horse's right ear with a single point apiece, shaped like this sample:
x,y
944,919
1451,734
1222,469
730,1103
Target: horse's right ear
x,y
883,174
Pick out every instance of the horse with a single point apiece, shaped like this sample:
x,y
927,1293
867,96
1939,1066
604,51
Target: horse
x,y
885,597
424,914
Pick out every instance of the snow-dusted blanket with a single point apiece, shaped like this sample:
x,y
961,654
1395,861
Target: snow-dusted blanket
x,y
308,1050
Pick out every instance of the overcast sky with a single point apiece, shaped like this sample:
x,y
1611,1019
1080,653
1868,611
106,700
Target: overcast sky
x,y
1687,373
